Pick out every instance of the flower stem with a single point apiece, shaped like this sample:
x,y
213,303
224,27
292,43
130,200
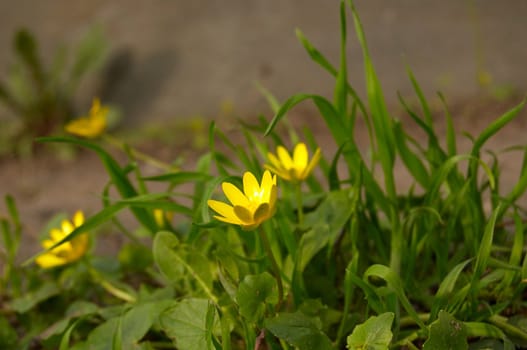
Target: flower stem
x,y
299,204
276,269
108,286
138,154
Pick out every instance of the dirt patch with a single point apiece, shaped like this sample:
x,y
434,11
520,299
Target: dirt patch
x,y
45,185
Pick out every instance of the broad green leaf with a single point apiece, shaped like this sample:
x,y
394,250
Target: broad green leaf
x,y
312,242
374,334
255,294
173,259
446,333
8,335
29,300
77,309
132,325
101,338
186,324
299,330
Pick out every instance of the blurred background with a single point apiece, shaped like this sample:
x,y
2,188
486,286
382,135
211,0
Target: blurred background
x,y
161,61
167,59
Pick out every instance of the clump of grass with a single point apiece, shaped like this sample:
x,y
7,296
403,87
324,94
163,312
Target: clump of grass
x,y
340,260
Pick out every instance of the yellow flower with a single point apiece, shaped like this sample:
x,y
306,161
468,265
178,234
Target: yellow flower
x,y
163,218
67,252
294,169
252,206
92,125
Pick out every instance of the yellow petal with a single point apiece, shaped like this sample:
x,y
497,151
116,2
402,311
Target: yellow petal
x,y
67,227
312,163
95,106
80,245
243,214
274,161
261,213
56,235
300,158
272,199
278,171
251,187
159,217
47,243
285,158
225,210
49,260
268,182
228,220
78,218
234,195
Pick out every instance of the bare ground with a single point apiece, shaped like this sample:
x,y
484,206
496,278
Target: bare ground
x,y
45,185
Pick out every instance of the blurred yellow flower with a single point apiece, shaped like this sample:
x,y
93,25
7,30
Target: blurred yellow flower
x,y
293,169
252,206
67,252
92,125
163,218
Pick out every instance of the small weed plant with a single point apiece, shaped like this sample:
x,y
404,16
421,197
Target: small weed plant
x,y
274,244
40,96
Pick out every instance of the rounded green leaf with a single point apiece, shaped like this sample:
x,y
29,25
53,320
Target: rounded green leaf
x,y
254,293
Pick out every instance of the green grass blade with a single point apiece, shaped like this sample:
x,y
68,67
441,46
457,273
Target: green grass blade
x,y
315,54
496,126
116,173
395,284
491,130
450,131
484,250
180,177
485,330
413,163
445,289
109,212
381,120
521,186
335,124
341,91
420,95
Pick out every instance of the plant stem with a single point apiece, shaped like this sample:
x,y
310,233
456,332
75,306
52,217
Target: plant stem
x,y
276,269
396,247
501,322
109,287
138,154
299,204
